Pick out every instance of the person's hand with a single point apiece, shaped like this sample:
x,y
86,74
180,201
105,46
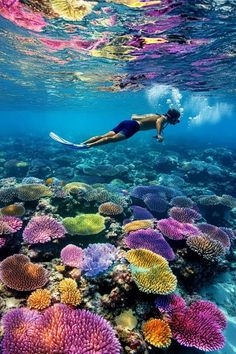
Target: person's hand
x,y
160,138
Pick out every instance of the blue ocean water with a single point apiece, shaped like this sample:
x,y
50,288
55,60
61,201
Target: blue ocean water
x,y
78,72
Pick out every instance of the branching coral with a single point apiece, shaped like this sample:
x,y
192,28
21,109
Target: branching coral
x,y
69,293
85,224
151,272
151,240
17,272
158,333
72,256
206,247
39,300
42,229
59,326
137,225
110,209
30,192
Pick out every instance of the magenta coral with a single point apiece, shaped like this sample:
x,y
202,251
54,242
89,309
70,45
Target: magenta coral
x,y
198,327
171,304
184,215
72,256
57,329
151,240
42,229
175,230
13,222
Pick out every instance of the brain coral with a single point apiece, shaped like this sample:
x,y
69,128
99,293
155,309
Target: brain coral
x,y
17,272
198,327
58,329
184,215
206,247
30,192
155,203
140,213
175,230
137,225
42,229
182,202
151,272
98,257
39,300
110,209
13,222
215,233
151,240
72,256
16,209
85,224
158,333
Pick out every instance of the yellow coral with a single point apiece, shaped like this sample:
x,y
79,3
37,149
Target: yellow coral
x,y
71,297
29,192
126,320
137,225
72,10
136,3
16,209
77,186
39,299
151,272
158,333
60,268
84,224
67,284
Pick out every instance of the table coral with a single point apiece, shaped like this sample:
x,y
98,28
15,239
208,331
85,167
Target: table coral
x,y
184,215
137,225
176,230
17,272
30,192
85,224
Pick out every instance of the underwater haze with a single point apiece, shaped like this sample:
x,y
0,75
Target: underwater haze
x,y
126,246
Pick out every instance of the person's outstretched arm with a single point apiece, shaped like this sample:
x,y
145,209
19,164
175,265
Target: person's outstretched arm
x,y
159,125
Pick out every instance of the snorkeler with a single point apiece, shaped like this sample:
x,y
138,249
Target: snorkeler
x,y
128,128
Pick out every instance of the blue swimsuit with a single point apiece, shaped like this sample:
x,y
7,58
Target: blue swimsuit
x,y
127,127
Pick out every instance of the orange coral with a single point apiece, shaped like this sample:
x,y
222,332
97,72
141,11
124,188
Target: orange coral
x,y
16,209
67,284
39,299
158,333
137,225
71,297
151,272
110,209
18,273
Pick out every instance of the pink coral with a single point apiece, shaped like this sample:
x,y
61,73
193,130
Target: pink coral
x,y
175,230
72,256
171,304
42,229
5,229
57,329
199,327
13,222
184,215
17,13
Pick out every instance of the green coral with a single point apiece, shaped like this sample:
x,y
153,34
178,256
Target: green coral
x,y
85,224
30,192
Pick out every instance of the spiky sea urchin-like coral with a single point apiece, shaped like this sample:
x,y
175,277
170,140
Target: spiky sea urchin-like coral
x,y
72,256
151,272
39,299
43,229
151,240
206,247
110,209
85,224
18,273
158,333
57,327
72,10
30,192
137,225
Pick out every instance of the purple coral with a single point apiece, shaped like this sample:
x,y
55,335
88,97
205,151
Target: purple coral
x,y
151,240
13,222
163,192
140,213
170,304
184,215
72,256
57,329
216,234
175,230
156,203
98,257
231,234
198,327
182,202
42,229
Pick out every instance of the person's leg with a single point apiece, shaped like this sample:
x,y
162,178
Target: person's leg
x,y
96,138
107,140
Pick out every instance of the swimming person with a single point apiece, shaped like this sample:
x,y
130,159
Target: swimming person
x,y
128,128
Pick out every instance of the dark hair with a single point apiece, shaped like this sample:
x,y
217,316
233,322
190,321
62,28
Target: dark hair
x,y
172,116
